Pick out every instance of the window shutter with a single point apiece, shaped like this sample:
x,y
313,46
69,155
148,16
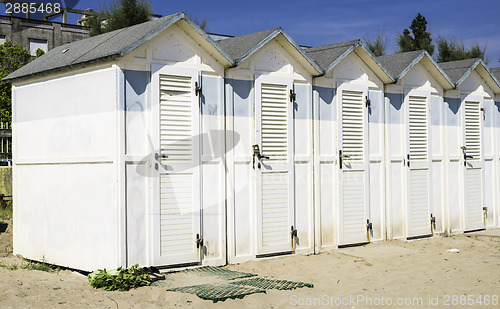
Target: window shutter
x,y
473,130
274,100
176,118
418,128
352,126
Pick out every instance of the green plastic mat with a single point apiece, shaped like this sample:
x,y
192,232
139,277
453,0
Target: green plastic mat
x,y
219,272
218,292
268,284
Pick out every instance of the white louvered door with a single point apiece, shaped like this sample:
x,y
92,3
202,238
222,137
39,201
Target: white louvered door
x,y
418,164
473,174
353,164
176,164
274,175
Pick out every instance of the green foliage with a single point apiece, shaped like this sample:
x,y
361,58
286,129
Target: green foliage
x,y
202,23
12,57
451,50
377,45
421,39
122,279
39,52
119,14
32,265
6,213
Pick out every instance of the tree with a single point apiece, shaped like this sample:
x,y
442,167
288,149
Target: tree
x,y
451,50
12,57
202,23
421,39
119,14
377,45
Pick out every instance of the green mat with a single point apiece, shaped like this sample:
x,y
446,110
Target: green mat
x,y
218,292
219,272
268,284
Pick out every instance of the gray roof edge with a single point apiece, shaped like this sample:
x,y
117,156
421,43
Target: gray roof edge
x,y
417,60
367,50
466,74
495,79
340,58
180,16
254,49
61,69
271,36
301,51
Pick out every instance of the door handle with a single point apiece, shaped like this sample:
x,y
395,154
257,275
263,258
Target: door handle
x,y
341,157
160,156
260,156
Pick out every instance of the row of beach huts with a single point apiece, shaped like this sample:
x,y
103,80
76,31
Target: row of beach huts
x,y
161,145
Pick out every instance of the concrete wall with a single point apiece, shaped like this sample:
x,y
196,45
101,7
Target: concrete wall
x,y
19,31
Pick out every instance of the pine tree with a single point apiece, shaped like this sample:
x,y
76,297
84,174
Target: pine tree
x,y
120,14
418,39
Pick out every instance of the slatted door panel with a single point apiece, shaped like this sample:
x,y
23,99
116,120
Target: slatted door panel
x,y
179,194
276,193
473,130
353,135
354,168
473,170
353,210
418,128
176,123
275,122
418,184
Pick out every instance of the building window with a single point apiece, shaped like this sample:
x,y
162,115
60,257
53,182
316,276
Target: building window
x,y
2,39
35,44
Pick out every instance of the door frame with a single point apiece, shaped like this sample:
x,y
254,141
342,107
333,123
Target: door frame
x,y
260,79
155,225
406,102
480,164
365,166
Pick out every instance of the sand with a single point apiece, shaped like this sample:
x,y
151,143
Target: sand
x,y
392,274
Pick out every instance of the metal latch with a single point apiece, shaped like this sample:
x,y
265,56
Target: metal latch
x,y
341,157
369,229
199,241
293,96
485,209
197,89
293,235
367,101
433,224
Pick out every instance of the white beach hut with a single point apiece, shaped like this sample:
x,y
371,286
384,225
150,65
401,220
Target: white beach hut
x,y
349,145
118,149
415,145
270,146
472,146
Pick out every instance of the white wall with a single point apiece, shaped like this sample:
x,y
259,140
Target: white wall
x,y
351,72
271,60
174,48
65,180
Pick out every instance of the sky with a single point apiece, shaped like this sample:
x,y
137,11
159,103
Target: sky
x,y
320,22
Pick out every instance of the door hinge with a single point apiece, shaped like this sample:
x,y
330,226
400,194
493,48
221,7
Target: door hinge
x,y
199,241
367,101
293,96
197,89
293,235
369,229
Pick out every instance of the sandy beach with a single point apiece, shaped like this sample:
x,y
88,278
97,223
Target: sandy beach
x,y
392,274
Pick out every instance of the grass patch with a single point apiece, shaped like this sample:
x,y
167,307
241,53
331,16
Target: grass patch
x,y
6,213
32,265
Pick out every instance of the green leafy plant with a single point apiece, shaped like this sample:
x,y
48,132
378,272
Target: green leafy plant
x,y
418,39
122,279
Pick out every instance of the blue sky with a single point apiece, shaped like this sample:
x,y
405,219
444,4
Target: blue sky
x,y
318,22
